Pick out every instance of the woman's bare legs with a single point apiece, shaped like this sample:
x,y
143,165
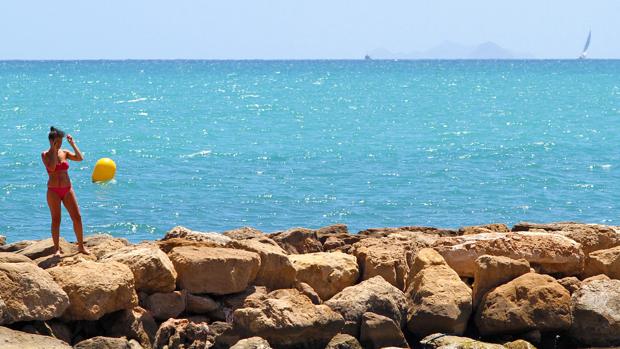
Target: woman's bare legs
x,y
70,202
53,201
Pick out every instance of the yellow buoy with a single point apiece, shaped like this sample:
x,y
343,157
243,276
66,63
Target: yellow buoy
x,y
105,169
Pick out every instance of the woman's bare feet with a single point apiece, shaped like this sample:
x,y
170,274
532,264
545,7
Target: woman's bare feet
x,y
83,250
58,252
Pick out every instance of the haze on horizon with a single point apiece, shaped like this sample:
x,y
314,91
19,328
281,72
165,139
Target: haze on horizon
x,y
284,29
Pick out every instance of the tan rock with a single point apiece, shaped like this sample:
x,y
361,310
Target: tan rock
x,y
95,289
11,339
29,293
603,262
101,342
438,300
276,270
389,257
487,228
252,343
326,272
16,246
373,295
343,341
134,324
181,334
286,318
244,233
596,313
546,252
2,240
592,237
169,244
200,304
425,258
493,271
10,257
529,302
227,304
152,269
187,234
46,247
51,261
379,331
214,270
101,244
298,240
168,305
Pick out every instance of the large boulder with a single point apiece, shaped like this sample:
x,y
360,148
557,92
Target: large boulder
x,y
546,252
96,289
10,257
530,302
11,339
182,334
46,247
214,270
379,331
276,270
288,319
438,300
152,269
389,257
136,323
101,244
373,295
592,237
603,262
168,305
298,240
326,272
492,271
29,293
596,313
198,236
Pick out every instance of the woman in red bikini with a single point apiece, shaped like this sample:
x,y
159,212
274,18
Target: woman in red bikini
x,y
59,186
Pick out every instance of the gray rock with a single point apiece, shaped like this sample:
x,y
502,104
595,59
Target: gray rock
x,y
596,313
11,339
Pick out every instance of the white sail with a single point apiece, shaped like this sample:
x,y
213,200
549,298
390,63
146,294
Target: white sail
x,y
585,47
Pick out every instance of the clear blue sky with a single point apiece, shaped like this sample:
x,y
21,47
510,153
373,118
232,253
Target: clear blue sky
x,y
268,29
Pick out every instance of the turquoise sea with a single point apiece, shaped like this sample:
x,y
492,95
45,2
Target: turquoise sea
x,y
214,145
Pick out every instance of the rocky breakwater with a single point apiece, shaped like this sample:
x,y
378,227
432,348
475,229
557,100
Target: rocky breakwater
x,y
490,286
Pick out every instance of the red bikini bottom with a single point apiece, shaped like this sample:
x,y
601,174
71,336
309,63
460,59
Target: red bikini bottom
x,y
61,191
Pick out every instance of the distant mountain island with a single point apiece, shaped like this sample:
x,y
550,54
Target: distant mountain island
x,y
452,50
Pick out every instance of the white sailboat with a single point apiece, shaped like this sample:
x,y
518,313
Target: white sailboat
x,y
584,54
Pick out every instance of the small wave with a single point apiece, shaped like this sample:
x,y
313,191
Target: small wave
x,y
201,153
132,100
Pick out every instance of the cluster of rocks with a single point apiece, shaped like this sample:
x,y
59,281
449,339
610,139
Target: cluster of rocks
x,y
491,286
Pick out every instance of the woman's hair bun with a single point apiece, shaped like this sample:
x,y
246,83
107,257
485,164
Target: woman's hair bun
x,y
52,129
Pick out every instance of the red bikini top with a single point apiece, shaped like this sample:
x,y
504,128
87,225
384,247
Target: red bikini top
x,y
60,167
